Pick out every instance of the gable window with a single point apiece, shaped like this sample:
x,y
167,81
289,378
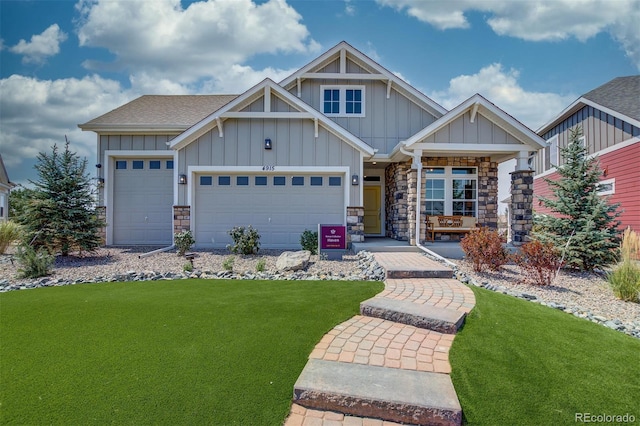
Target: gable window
x,y
554,151
451,191
342,101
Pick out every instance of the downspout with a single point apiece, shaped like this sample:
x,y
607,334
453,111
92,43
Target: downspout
x,y
160,250
417,164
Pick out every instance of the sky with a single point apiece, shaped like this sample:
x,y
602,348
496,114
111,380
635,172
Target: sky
x,y
66,62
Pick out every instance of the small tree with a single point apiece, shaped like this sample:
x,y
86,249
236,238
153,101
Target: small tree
x,y
59,214
580,213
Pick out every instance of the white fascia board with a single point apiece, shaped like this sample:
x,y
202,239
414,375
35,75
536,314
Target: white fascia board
x,y
383,74
470,148
489,110
259,114
578,105
134,128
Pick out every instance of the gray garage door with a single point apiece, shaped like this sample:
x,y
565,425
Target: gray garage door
x,y
280,207
143,201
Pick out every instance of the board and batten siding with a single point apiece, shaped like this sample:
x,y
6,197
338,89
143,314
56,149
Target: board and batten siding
x,y
481,131
294,144
601,130
386,122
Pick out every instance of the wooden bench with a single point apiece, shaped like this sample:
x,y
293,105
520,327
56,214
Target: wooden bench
x,y
450,224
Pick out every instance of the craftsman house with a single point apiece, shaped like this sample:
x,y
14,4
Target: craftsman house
x,y
340,141
609,117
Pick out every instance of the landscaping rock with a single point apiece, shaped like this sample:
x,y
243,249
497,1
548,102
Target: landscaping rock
x,y
293,260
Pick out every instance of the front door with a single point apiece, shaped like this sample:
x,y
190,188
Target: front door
x,y
372,210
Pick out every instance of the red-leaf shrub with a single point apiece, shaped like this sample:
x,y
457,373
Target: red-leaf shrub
x,y
539,262
483,247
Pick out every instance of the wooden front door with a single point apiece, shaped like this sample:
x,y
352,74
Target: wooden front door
x,y
372,210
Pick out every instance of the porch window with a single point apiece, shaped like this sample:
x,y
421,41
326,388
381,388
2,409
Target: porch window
x,y
451,191
342,101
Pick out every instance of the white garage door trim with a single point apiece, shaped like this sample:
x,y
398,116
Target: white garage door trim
x,y
109,177
193,171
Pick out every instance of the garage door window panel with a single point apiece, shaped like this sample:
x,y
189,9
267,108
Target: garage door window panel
x,y
224,180
206,180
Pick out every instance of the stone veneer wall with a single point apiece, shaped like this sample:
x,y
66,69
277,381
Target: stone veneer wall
x,y
397,201
101,213
181,218
521,209
401,182
355,225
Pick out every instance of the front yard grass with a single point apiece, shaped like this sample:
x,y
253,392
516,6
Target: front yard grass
x,y
164,352
516,362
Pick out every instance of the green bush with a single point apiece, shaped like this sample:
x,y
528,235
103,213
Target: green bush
x,y
309,241
539,262
245,240
228,263
260,265
34,263
187,267
183,241
483,247
9,232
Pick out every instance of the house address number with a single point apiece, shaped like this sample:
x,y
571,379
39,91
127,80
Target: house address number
x,y
268,168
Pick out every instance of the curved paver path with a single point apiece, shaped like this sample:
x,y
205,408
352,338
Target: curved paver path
x,y
383,343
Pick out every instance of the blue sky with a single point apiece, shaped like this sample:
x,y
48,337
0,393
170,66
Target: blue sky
x,y
66,62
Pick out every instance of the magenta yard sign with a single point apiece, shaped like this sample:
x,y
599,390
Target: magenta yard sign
x,y
332,237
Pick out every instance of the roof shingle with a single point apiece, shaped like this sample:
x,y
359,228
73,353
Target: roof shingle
x,y
621,94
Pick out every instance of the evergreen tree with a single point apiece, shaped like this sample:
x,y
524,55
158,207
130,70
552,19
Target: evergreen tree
x,y
59,215
582,218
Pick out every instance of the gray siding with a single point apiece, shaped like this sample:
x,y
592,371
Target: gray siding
x,y
131,143
386,121
481,131
294,144
601,130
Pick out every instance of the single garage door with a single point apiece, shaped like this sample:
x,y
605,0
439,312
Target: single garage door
x,y
280,207
143,201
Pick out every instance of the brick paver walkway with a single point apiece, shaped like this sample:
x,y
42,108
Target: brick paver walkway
x,y
438,292
374,341
384,343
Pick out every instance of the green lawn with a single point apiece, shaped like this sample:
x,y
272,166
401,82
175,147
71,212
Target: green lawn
x,y
166,352
518,363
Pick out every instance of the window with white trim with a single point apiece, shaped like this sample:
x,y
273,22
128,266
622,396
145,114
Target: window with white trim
x,y
342,101
607,187
554,151
451,191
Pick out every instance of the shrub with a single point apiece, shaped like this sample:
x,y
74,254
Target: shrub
x,y
9,232
260,265
34,263
183,241
309,241
483,247
228,263
245,240
625,278
187,267
539,262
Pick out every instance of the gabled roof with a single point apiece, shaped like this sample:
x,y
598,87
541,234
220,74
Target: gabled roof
x,y
158,112
478,104
363,60
232,110
619,97
4,176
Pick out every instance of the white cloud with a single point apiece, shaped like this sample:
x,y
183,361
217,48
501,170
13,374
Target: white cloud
x,y
41,46
185,45
537,20
36,114
502,88
349,8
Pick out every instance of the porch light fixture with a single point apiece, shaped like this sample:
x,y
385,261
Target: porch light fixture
x,y
182,179
354,180
98,166
267,144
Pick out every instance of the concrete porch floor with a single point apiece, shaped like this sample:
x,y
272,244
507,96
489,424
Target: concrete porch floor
x,y
446,249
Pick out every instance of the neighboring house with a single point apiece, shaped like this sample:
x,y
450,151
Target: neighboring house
x,y
609,117
340,141
5,188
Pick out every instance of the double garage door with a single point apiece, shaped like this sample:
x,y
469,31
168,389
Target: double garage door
x,y
143,201
279,206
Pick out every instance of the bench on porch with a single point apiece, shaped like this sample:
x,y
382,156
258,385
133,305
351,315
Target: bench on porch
x,y
450,224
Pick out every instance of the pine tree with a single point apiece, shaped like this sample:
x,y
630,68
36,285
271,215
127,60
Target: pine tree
x,y
583,219
59,216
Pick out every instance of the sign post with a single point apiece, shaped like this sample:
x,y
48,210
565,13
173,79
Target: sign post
x,y
332,240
